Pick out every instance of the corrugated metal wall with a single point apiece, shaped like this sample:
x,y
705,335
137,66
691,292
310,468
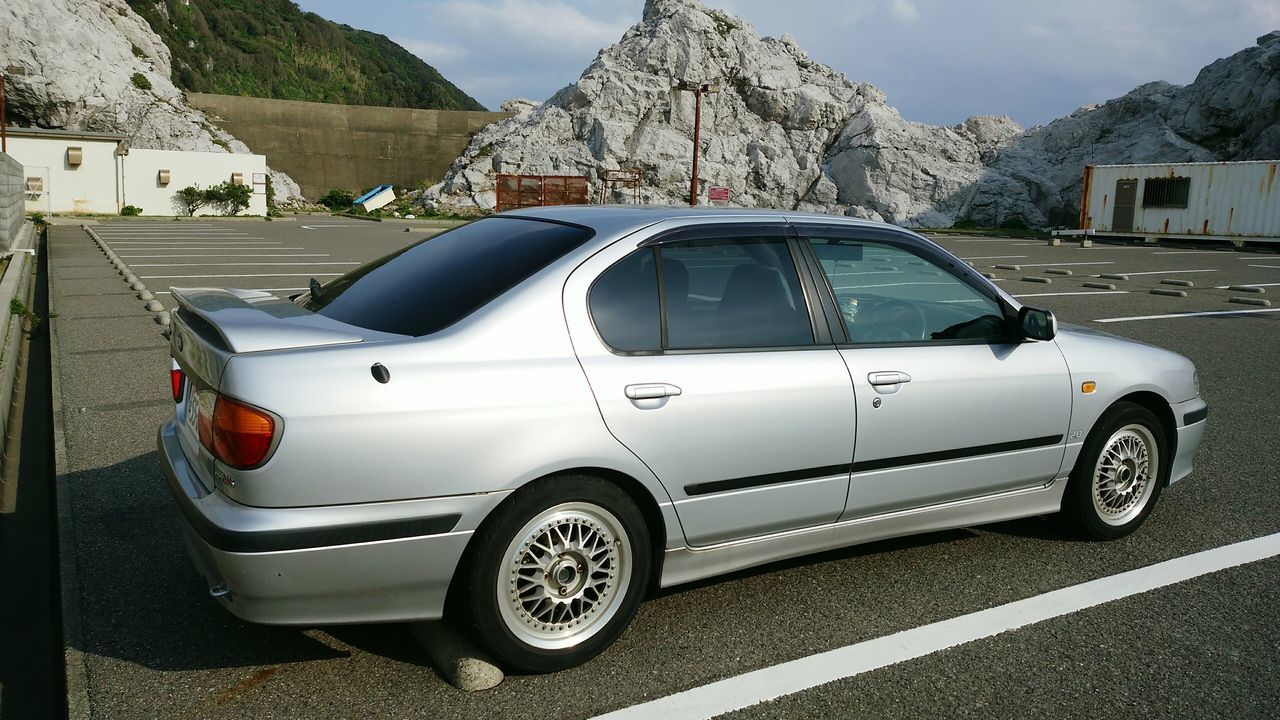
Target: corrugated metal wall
x,y
1237,199
12,184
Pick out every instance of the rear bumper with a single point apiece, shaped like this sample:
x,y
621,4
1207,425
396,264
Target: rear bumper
x,y
1191,417
376,562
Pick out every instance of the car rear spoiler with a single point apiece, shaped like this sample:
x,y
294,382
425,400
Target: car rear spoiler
x,y
248,321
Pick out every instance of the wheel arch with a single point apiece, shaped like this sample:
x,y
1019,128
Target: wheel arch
x,y
633,487
1163,411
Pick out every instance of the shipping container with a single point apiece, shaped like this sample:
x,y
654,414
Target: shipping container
x,y
1237,201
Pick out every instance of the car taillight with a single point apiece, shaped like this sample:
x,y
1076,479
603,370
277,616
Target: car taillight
x,y
242,434
175,379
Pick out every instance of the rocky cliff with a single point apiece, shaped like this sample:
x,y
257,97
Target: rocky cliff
x,y
787,132
96,65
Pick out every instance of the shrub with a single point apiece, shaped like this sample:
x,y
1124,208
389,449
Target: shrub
x,y
131,211
190,199
229,197
140,81
337,200
36,217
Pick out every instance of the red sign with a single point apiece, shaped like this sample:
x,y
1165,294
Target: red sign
x,y
717,193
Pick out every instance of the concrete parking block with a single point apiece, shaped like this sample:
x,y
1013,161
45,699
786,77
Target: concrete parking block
x,y
1036,279
1113,276
1247,289
1261,302
1008,267
1058,271
1179,283
461,663
1169,293
1100,285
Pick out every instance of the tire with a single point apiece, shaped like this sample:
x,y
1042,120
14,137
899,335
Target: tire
x,y
1117,479
561,608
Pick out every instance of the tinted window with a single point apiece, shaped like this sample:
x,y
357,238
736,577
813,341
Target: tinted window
x,y
887,294
732,294
624,304
437,282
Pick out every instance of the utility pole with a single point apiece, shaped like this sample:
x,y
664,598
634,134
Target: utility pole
x,y
4,131
697,89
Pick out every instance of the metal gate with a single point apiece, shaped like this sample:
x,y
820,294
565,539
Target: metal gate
x,y
1126,199
518,191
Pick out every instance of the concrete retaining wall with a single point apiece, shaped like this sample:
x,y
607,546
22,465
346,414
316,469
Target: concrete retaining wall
x,y
12,183
350,147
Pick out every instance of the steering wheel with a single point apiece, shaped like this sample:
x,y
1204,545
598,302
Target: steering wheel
x,y
884,320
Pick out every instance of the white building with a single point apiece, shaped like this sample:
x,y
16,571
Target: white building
x,y
1237,201
71,173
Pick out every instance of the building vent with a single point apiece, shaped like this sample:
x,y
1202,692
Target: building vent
x,y
35,184
237,178
75,156
162,177
1167,192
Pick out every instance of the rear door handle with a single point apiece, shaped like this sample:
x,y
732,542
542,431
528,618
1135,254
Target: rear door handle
x,y
651,391
888,378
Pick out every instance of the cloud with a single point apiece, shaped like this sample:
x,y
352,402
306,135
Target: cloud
x,y
904,11
550,26
432,52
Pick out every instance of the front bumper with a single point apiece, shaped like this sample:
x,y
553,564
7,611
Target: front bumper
x,y
1191,417
376,562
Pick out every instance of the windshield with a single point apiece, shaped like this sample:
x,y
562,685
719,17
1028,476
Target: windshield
x,y
432,284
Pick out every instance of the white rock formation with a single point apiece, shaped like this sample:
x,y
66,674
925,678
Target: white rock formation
x,y
76,62
787,132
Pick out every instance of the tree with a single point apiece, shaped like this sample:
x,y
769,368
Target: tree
x,y
190,199
236,197
229,197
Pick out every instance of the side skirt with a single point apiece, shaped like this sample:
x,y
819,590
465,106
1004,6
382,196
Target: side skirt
x,y
684,564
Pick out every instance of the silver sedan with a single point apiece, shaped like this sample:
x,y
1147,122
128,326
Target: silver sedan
x,y
527,422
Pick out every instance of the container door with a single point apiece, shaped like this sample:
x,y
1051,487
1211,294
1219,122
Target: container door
x,y
1126,199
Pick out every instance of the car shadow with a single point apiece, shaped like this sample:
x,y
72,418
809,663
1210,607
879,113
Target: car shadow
x,y
139,598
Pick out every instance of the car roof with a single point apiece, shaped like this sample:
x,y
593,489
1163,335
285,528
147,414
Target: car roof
x,y
613,219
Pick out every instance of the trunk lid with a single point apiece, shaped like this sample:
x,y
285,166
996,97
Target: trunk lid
x,y
211,325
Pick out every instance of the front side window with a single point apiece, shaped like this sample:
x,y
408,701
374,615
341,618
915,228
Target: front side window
x,y
717,294
889,295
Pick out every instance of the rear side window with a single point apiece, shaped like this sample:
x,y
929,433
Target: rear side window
x,y
721,293
433,284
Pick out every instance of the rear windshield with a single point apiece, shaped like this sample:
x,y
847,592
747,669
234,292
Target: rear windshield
x,y
432,284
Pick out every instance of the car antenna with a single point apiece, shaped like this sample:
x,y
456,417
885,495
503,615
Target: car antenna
x,y
314,288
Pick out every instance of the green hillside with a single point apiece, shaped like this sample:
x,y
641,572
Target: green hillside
x,y
271,48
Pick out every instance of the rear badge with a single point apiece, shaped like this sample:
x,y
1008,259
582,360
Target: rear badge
x,y
224,478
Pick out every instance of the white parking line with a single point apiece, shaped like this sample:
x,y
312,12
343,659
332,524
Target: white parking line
x,y
994,257
1186,314
1163,272
166,292
230,255
1095,262
1273,267
743,691
1193,252
1082,292
159,249
287,264
185,277
1226,287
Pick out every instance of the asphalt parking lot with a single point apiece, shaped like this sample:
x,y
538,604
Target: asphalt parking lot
x,y
147,641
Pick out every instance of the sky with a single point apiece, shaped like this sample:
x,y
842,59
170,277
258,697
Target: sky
x,y
937,61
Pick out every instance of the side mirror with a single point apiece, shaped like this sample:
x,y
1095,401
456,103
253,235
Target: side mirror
x,y
1037,324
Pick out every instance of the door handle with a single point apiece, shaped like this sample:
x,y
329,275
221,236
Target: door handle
x,y
651,391
888,378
